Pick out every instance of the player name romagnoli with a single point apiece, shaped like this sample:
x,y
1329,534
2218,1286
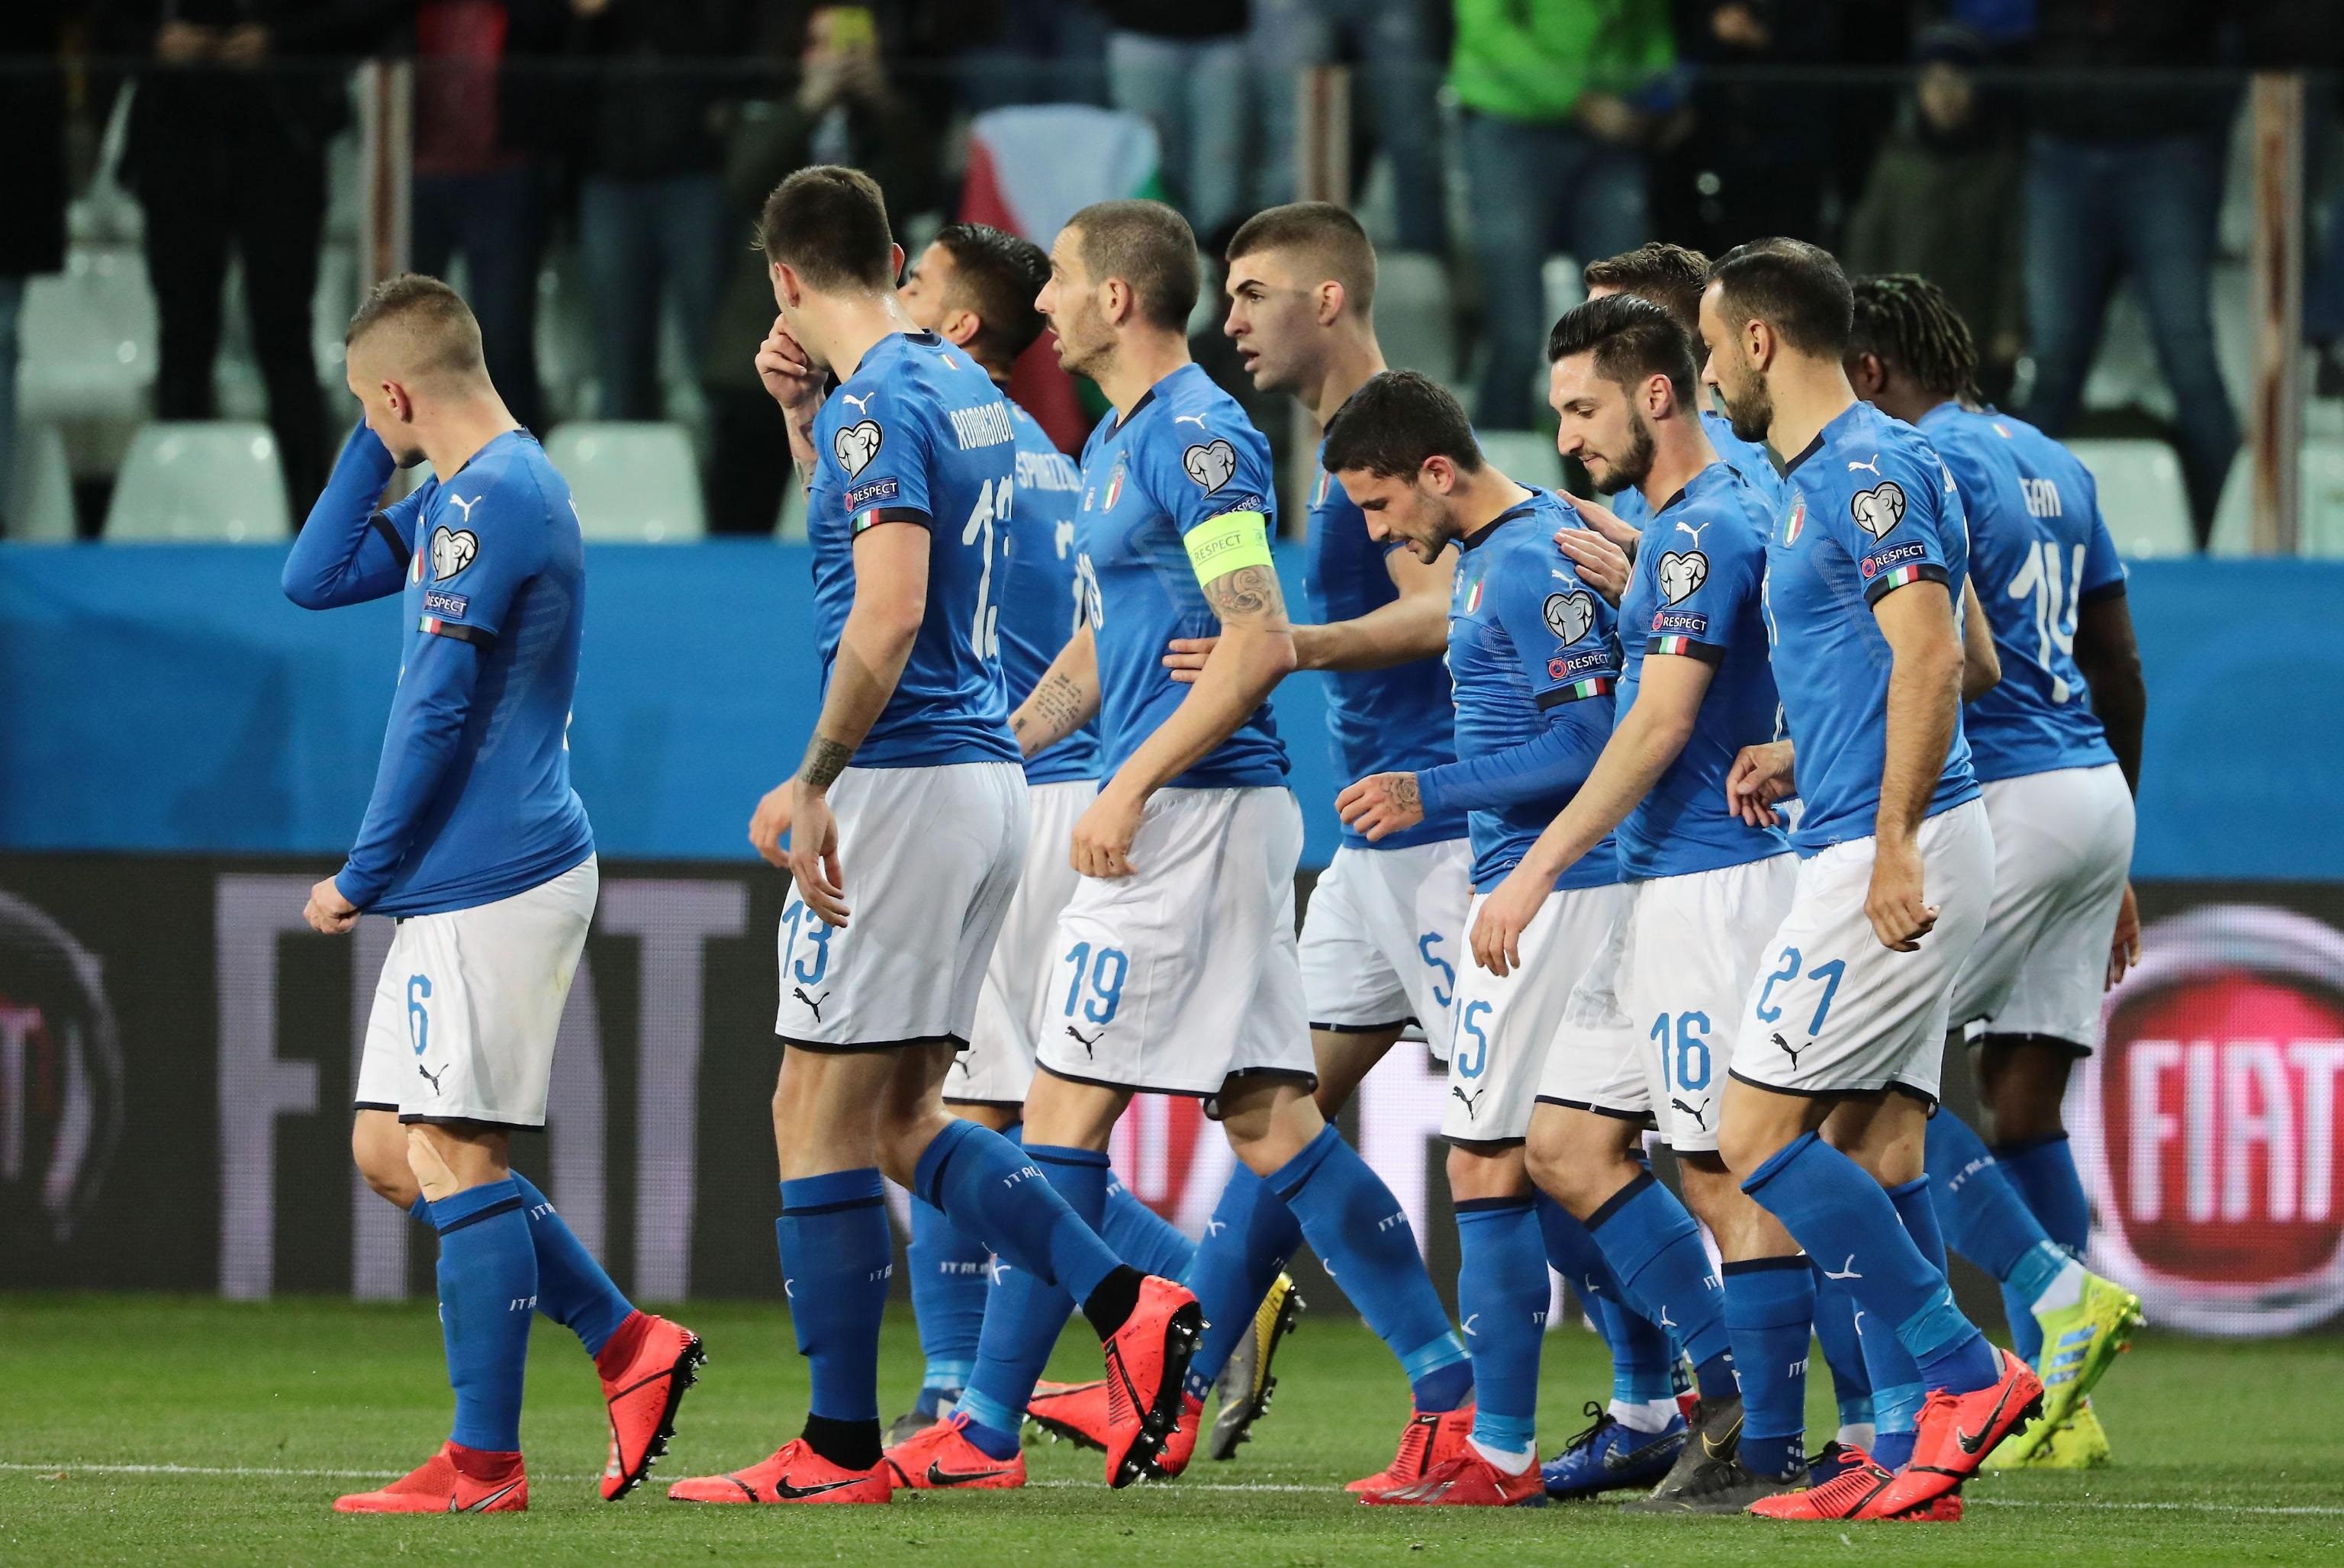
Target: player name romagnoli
x,y
983,426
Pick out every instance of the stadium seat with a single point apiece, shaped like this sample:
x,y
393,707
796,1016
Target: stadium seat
x,y
41,512
634,482
88,338
1527,455
1414,319
214,480
2320,527
2141,495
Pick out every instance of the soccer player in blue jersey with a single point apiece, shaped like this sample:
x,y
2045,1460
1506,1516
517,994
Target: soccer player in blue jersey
x,y
1707,890
476,843
907,827
1176,966
1533,661
2056,748
1838,1051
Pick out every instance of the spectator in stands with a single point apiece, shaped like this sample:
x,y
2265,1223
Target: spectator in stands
x,y
2125,178
1183,66
1393,91
653,221
226,149
485,108
1765,152
1943,200
846,109
1559,104
1005,52
32,192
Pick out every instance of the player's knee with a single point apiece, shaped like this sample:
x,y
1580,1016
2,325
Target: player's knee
x,y
378,1149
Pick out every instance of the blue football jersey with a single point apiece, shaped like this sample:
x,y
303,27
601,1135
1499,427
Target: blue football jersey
x,y
1186,455
1395,720
471,801
919,434
1750,461
2038,550
1701,574
1873,508
1041,605
1531,657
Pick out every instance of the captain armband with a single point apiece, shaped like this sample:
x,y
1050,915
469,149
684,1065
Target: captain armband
x,y
1226,543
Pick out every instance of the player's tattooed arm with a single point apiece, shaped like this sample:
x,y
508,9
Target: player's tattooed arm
x,y
826,759
1063,700
1250,594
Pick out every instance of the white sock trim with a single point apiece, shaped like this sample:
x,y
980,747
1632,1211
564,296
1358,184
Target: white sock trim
x,y
1510,1461
2065,1289
1654,1416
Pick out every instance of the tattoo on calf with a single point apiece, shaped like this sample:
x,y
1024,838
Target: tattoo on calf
x,y
824,761
1246,592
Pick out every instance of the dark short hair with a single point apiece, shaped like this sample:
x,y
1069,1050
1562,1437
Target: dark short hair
x,y
1796,289
1151,249
1632,338
1393,422
1670,276
1909,323
442,336
1327,236
998,275
829,225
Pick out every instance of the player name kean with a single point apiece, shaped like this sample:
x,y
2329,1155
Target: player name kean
x,y
986,425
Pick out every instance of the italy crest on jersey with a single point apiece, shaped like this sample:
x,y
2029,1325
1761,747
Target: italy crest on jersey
x,y
1113,485
1798,520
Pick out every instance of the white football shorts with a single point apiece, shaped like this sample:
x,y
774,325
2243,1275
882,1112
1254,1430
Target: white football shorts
x,y
1505,1026
1831,1011
930,858
469,1003
998,1064
1384,936
2062,852
1184,974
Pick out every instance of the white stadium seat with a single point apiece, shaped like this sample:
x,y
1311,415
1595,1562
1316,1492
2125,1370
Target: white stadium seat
x,y
2142,495
634,482
1414,319
42,510
2320,528
1527,457
216,480
88,338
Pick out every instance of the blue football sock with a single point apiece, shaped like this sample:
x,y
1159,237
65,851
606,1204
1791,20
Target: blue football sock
x,y
1843,1348
1143,1238
1642,1358
1983,1216
1025,1313
1502,1297
1246,1244
1362,1235
488,1287
1655,1252
948,1289
1834,1209
571,1288
837,1252
2044,1170
1770,1311
1964,1361
986,1186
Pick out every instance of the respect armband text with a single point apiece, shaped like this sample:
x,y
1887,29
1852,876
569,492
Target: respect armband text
x,y
1226,543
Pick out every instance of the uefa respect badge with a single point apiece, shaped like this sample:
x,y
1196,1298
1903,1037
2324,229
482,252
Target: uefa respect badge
x,y
2206,1124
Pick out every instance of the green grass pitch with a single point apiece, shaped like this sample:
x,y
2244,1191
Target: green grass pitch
x,y
139,1429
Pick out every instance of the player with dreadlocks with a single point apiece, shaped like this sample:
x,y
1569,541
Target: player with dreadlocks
x,y
2056,748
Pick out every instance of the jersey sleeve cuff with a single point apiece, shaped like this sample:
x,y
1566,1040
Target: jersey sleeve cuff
x,y
870,517
390,531
1575,691
2112,589
1889,582
1709,653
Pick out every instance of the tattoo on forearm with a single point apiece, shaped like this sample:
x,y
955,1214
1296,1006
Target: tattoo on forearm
x,y
824,761
1248,593
1405,794
1058,704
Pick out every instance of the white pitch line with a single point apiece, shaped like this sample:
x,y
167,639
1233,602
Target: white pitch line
x,y
1298,1488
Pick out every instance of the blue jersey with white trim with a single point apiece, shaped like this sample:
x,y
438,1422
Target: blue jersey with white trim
x,y
2038,551
1041,602
1185,455
1533,662
1750,461
1698,578
1394,720
1873,509
471,800
920,435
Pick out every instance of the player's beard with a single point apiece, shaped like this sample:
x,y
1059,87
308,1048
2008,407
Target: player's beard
x,y
1748,406
1632,467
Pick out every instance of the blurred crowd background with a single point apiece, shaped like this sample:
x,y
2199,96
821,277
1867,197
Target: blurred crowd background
x,y
184,182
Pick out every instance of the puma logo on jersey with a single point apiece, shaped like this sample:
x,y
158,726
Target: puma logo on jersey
x,y
430,1078
862,404
1872,467
1472,1102
1700,1117
813,1003
1087,1043
1195,420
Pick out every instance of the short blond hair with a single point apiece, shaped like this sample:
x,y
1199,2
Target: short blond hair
x,y
437,335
